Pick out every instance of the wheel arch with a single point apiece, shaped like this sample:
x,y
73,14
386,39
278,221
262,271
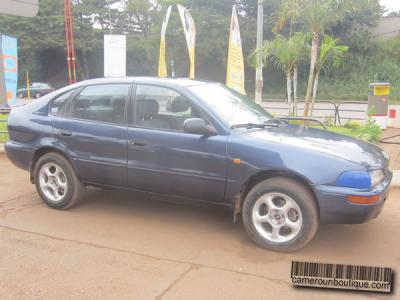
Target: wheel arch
x,y
39,153
264,175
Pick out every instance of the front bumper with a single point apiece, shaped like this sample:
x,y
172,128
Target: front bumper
x,y
335,208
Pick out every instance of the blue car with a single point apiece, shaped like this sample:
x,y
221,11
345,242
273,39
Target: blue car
x,y
197,141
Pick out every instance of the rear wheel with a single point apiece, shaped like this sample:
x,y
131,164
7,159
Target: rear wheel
x,y
37,95
280,214
56,182
21,95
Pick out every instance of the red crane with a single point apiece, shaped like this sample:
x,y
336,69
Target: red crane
x,y
69,38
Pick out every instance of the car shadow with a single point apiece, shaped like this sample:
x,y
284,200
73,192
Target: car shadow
x,y
218,223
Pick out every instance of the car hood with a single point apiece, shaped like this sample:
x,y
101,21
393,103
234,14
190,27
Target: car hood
x,y
348,148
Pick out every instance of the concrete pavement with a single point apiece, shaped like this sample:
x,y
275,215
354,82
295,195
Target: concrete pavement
x,y
120,245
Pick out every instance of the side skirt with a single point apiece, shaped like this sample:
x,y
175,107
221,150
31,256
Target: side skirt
x,y
165,198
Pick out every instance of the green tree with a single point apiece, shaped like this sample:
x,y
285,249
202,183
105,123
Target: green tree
x,y
42,38
287,53
137,17
331,54
316,16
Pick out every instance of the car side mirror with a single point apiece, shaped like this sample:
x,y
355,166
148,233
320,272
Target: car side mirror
x,y
198,126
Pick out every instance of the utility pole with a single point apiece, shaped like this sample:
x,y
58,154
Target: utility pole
x,y
69,39
259,75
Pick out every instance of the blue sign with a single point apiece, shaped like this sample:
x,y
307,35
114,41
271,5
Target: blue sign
x,y
10,60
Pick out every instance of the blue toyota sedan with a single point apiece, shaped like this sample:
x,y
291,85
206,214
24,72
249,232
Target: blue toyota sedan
x,y
197,141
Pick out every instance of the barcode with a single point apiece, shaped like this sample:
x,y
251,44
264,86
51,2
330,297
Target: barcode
x,y
310,269
341,276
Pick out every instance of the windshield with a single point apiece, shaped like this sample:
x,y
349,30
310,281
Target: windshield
x,y
230,106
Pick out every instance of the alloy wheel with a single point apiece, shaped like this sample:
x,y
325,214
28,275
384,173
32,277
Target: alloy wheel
x,y
53,182
277,217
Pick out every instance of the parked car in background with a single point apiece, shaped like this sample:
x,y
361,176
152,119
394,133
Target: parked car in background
x,y
37,90
197,141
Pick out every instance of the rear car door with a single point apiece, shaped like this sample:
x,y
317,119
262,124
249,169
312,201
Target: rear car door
x,y
92,129
164,159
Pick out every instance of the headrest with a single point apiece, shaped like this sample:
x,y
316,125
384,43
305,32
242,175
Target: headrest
x,y
81,103
117,101
147,108
179,104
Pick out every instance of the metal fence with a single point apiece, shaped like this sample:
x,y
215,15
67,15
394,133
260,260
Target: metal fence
x,y
346,110
3,124
323,109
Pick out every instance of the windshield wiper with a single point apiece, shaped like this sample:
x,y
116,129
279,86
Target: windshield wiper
x,y
276,121
253,125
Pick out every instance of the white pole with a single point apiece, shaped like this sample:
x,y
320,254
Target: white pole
x,y
259,75
109,16
3,92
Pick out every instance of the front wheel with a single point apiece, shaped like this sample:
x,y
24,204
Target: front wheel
x,y
280,214
56,182
37,95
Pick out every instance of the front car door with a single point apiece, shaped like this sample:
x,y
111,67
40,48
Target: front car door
x,y
164,159
92,129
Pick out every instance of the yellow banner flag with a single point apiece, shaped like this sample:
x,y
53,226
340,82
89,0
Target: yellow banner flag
x,y
190,35
235,65
162,67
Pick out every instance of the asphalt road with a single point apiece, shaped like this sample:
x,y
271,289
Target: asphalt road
x,y
116,245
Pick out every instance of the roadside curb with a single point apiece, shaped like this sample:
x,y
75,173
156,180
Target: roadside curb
x,y
396,178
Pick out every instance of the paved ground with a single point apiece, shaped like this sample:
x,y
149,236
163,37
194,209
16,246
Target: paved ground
x,y
117,245
392,135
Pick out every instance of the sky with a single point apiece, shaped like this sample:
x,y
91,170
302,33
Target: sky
x,y
391,5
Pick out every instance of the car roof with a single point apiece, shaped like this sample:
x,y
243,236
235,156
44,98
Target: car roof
x,y
145,80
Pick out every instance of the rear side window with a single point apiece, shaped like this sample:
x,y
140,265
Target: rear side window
x,y
103,103
58,107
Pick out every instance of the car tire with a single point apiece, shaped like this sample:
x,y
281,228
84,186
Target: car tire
x,y
280,214
37,95
21,95
56,182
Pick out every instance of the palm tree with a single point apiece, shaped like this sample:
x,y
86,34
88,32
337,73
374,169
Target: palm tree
x,y
316,15
330,53
287,53
289,11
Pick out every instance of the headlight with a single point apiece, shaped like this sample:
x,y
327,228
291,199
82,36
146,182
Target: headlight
x,y
354,179
376,177
360,179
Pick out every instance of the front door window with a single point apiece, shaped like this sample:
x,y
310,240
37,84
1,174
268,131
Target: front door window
x,y
162,108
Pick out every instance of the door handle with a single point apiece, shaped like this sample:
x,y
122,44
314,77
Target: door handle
x,y
137,143
65,133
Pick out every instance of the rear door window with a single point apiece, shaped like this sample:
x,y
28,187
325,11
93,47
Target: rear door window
x,y
59,105
103,103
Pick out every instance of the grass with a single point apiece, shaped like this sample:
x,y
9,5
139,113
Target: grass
x,y
369,134
3,127
345,131
341,130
